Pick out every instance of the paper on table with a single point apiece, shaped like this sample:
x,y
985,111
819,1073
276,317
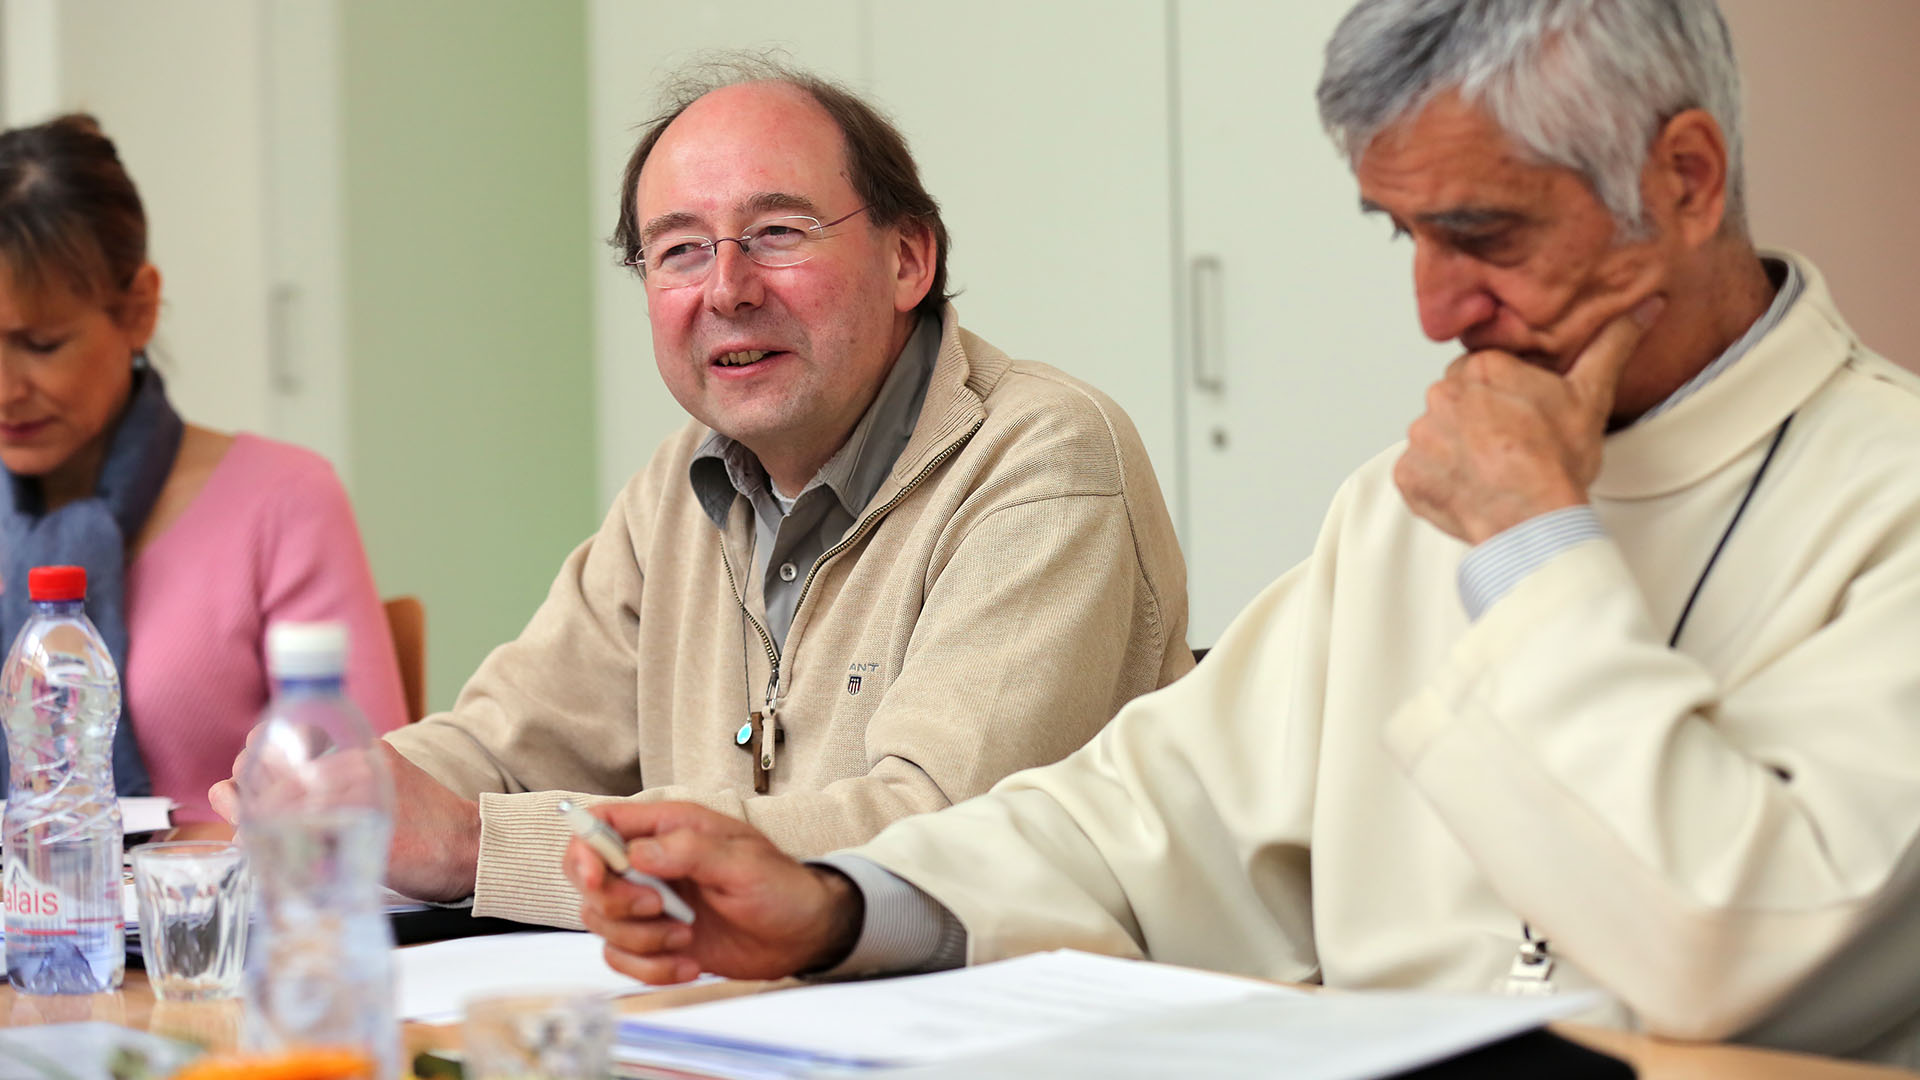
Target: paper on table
x,y
437,979
945,1016
1318,1037
1075,1014
140,813
146,813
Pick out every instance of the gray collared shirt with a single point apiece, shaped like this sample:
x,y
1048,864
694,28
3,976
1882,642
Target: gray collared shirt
x,y
787,544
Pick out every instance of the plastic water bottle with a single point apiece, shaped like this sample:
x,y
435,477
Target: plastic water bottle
x,y
316,806
66,933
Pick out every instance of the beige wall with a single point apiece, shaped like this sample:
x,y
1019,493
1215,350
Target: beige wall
x,y
1833,106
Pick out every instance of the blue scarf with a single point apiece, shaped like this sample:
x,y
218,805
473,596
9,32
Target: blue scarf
x,y
94,532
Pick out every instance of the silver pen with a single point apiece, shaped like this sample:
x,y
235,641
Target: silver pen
x,y
607,844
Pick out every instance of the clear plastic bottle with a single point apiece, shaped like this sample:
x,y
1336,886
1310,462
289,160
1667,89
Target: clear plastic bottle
x,y
316,806
66,933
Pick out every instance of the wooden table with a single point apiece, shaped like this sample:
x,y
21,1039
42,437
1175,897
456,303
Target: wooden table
x,y
217,1025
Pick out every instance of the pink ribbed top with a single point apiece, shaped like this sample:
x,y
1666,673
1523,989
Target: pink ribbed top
x,y
270,537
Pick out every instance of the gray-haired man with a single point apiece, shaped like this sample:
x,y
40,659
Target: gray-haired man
x,y
1604,679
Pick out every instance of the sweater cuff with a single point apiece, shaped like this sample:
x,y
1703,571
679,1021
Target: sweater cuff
x,y
523,842
904,930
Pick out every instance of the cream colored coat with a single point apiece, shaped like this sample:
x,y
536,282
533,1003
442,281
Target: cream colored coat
x,y
1359,787
1013,582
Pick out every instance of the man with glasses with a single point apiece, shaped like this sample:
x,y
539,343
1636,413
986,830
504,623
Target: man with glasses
x,y
884,565
1606,679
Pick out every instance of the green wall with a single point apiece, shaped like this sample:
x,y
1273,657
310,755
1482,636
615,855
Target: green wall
x,y
468,308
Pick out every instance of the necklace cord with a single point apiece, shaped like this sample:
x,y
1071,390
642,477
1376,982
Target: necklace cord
x,y
1681,623
1538,946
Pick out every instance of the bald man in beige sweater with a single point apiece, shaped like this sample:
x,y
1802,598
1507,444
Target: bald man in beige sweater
x,y
882,567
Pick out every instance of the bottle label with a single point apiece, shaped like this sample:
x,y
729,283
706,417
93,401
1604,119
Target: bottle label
x,y
30,900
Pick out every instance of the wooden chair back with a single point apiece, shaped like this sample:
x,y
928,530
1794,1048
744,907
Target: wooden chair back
x,y
407,618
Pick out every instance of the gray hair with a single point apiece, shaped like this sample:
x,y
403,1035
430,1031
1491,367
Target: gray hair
x,y
1582,84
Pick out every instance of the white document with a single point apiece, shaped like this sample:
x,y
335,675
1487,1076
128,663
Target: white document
x,y
146,813
436,980
1332,1036
140,813
1074,1014
949,1015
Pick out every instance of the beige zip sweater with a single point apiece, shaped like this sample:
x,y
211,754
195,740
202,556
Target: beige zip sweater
x,y
1721,836
1014,581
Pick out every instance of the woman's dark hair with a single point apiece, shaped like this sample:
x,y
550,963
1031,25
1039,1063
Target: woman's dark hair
x,y
70,217
879,165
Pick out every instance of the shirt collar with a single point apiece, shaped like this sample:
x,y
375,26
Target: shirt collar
x,y
722,468
1788,286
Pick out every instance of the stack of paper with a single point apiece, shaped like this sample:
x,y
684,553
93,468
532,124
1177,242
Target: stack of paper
x,y
437,980
139,813
1068,1013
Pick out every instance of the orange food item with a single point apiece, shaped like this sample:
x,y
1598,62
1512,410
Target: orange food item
x,y
307,1063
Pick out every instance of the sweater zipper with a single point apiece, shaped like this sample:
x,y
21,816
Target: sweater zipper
x,y
768,739
773,662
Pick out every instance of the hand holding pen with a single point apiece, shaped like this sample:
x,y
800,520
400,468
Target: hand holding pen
x,y
763,913
606,843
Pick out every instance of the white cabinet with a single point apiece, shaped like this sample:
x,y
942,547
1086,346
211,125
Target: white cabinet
x,y
1301,356
225,116
1041,129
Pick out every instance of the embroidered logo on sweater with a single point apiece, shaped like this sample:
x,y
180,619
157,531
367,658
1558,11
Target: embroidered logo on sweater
x,y
857,673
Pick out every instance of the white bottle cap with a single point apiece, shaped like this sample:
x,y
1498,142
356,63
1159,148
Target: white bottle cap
x,y
307,650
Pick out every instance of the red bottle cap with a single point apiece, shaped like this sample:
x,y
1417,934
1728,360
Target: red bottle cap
x,y
57,583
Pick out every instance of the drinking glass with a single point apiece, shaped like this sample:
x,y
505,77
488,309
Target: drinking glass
x,y
194,899
566,1035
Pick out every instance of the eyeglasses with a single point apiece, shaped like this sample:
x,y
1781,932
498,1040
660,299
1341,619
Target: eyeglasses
x,y
672,262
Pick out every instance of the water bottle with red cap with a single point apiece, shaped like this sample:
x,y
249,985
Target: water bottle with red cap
x,y
65,933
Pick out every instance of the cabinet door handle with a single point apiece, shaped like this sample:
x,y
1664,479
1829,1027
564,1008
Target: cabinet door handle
x,y
282,373
1206,281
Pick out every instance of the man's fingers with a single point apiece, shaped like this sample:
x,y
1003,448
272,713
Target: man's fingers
x,y
657,970
583,867
1595,374
683,853
617,898
225,798
607,894
638,937
637,819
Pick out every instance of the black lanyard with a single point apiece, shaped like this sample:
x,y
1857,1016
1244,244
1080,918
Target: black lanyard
x,y
1681,623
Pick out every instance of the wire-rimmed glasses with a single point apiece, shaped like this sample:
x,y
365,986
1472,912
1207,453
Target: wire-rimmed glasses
x,y
671,262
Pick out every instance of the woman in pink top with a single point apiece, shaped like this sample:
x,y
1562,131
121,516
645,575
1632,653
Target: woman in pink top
x,y
194,541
